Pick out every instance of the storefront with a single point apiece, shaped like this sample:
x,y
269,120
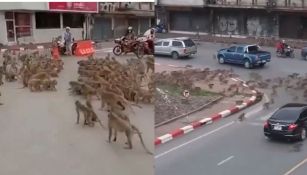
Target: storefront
x,y
114,19
40,25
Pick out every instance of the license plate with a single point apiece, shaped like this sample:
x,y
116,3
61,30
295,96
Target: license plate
x,y
277,127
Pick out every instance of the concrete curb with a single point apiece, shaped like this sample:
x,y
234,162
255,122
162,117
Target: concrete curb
x,y
206,121
22,48
189,113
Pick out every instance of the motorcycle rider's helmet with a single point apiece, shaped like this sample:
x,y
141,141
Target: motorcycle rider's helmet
x,y
130,29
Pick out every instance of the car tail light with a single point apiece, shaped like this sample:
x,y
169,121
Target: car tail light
x,y
266,124
292,127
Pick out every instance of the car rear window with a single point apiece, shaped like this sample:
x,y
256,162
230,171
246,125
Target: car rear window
x,y
287,114
188,43
253,48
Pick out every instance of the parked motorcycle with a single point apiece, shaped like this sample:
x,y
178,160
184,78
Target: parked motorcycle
x,y
288,52
161,28
135,46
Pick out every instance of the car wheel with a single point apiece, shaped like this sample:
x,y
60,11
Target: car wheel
x,y
262,64
302,134
247,64
221,60
175,55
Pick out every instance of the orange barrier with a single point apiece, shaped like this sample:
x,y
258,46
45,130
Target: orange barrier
x,y
84,48
55,53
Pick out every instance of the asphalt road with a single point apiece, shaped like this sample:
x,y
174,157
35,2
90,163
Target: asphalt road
x,y
228,146
204,58
231,147
39,135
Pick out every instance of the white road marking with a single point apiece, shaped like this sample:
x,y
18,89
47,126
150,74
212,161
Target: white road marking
x,y
157,64
296,167
222,162
193,140
105,50
234,79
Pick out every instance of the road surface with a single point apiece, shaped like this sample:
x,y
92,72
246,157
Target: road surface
x,y
228,146
39,135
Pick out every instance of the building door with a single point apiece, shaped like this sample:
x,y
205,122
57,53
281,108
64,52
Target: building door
x,y
10,27
102,29
144,25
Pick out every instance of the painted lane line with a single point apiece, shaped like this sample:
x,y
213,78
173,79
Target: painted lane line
x,y
157,64
234,79
296,167
193,140
171,65
255,123
226,160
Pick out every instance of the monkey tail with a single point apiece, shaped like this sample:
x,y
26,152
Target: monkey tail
x,y
141,139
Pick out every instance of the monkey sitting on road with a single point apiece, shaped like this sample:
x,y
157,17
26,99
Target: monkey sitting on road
x,y
116,123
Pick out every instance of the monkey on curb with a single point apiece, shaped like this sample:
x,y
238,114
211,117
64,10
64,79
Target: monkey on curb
x,y
118,124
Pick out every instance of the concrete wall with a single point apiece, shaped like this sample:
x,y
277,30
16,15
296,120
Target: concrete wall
x,y
261,26
3,33
24,5
227,24
182,2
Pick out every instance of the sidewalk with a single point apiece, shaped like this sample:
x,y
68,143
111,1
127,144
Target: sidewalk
x,y
268,41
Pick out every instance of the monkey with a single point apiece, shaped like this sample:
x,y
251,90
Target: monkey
x,y
34,85
120,125
241,117
211,85
26,74
1,75
41,76
49,84
266,105
75,87
86,113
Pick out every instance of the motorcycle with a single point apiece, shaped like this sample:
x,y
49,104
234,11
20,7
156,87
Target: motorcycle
x,y
135,46
160,28
288,52
62,48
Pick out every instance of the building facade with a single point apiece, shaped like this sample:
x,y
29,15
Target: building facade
x,y
241,18
39,22
115,17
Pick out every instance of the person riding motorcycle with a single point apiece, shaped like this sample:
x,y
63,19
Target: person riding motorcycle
x,y
282,46
150,40
129,38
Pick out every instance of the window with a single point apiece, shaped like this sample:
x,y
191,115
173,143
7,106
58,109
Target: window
x,y
166,43
240,49
253,48
158,43
189,43
304,115
177,44
9,15
45,20
232,49
23,24
73,20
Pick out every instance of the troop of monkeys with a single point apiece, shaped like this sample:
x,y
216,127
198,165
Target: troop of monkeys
x,y
34,71
118,87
